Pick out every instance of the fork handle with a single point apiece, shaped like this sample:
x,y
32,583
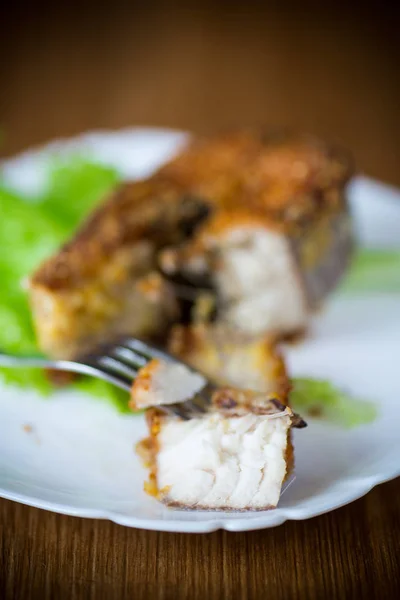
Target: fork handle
x,y
61,365
42,363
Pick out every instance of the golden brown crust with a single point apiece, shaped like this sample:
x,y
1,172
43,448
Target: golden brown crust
x,y
215,352
234,402
142,383
103,283
181,506
70,323
262,177
151,211
286,177
148,449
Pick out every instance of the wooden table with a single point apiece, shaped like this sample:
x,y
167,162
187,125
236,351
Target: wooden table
x,y
322,69
348,553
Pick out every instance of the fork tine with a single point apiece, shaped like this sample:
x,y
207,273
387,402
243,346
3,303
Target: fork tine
x,y
120,363
194,408
185,410
143,349
200,404
129,357
139,347
202,399
113,366
179,410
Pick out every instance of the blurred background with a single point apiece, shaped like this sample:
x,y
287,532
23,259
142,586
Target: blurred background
x,y
328,68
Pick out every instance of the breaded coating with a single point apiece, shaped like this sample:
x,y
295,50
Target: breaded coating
x,y
261,222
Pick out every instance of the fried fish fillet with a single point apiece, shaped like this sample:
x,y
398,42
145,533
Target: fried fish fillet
x,y
231,358
261,223
279,235
235,457
105,281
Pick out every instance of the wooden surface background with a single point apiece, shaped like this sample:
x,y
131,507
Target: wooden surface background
x,y
331,70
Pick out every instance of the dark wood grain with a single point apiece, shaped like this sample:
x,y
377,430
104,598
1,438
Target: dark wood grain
x,y
353,552
333,71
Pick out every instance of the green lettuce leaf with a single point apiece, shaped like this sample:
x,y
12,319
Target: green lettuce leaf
x,y
29,232
27,378
105,391
374,271
73,190
320,398
27,236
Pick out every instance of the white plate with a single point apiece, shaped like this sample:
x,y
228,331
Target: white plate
x,y
75,455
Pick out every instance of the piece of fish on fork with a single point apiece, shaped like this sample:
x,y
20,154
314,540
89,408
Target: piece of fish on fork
x,y
119,363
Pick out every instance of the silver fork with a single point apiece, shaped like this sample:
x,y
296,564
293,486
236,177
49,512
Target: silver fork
x,y
119,364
